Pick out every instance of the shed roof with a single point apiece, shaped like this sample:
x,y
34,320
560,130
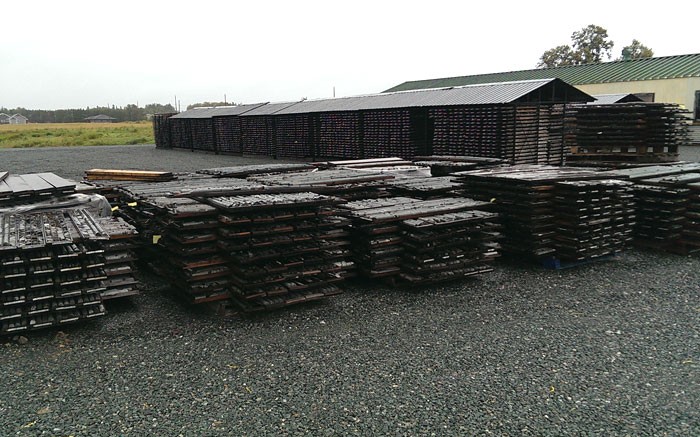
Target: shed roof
x,y
19,116
544,90
219,111
662,67
605,99
269,109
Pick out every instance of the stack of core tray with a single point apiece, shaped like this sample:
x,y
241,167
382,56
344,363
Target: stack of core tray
x,y
668,206
424,187
388,133
51,269
520,134
629,132
243,171
119,258
32,187
345,183
377,232
339,135
448,246
661,215
594,218
282,249
523,197
179,234
446,165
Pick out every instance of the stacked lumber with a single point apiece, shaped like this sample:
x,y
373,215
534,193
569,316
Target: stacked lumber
x,y
448,246
388,133
282,249
32,187
594,218
345,183
98,174
51,269
523,197
377,233
339,135
628,132
119,258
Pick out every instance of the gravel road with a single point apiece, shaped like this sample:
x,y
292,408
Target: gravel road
x,y
611,348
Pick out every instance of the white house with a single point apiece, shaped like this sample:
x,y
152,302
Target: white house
x,y
4,118
18,119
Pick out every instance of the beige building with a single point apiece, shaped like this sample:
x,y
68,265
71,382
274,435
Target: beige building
x,y
668,79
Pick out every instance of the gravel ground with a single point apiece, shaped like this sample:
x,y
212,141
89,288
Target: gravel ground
x,y
611,348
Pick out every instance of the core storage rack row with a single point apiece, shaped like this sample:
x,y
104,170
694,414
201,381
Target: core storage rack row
x,y
627,133
563,212
409,239
282,248
51,269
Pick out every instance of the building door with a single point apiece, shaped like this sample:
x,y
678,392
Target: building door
x,y
697,105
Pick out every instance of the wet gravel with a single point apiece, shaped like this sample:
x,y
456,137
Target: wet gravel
x,y
611,348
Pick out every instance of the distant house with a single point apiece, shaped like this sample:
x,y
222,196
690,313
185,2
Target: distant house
x,y
100,119
18,119
4,118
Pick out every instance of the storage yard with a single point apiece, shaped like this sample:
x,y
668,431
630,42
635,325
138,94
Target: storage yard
x,y
610,347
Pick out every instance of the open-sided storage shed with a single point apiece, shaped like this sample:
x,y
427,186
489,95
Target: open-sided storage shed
x,y
520,122
228,132
193,129
210,129
258,129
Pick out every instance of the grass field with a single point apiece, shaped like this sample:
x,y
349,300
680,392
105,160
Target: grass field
x,y
75,134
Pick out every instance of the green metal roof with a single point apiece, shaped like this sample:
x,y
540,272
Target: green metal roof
x,y
663,67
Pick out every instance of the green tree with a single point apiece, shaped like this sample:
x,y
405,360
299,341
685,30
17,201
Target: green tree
x,y
591,44
588,45
559,56
157,108
636,50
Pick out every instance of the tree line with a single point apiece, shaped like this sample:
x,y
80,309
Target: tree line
x,y
129,112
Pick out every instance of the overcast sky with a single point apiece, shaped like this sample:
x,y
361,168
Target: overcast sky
x,y
73,54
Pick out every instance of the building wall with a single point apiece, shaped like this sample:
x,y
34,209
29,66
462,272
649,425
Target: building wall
x,y
681,91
